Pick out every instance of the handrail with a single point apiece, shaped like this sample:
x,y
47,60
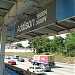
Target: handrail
x,y
18,70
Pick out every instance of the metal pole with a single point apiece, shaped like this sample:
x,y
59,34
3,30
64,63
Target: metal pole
x,y
2,50
25,52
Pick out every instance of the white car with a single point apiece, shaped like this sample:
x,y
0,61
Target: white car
x,y
15,57
35,69
7,57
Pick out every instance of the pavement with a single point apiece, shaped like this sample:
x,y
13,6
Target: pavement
x,y
58,69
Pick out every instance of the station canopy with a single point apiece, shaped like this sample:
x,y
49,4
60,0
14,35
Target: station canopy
x,y
26,19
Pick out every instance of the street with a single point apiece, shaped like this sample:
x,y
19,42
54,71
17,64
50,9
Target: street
x,y
58,69
63,69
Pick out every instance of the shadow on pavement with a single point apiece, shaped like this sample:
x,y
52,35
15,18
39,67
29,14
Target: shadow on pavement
x,y
56,67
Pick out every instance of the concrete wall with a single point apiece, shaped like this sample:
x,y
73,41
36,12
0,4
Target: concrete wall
x,y
18,50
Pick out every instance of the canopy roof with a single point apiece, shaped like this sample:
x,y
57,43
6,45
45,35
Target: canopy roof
x,y
5,6
14,11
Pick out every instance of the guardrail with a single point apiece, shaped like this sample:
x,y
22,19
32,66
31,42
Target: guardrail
x,y
19,70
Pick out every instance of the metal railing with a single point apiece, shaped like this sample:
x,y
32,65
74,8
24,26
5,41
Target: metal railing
x,y
18,70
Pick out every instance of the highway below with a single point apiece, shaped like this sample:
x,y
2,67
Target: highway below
x,y
58,69
63,69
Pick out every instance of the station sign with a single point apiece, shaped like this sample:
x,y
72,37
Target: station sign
x,y
43,17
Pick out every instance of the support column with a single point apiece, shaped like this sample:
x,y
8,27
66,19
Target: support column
x,y
2,50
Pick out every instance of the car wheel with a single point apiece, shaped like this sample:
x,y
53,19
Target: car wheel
x,y
33,71
50,69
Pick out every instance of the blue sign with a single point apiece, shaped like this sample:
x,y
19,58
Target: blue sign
x,y
65,9
12,32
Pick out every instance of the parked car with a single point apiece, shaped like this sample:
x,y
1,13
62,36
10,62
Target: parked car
x,y
45,67
30,59
20,59
15,57
35,69
7,57
11,62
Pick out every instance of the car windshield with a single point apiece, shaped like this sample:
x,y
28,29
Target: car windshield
x,y
37,68
46,65
12,60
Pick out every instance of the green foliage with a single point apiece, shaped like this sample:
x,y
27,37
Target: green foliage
x,y
70,44
58,44
47,53
39,43
58,41
72,53
19,45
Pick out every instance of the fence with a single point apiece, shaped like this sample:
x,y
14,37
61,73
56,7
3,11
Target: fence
x,y
18,70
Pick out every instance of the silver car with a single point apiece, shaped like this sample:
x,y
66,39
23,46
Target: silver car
x,y
45,67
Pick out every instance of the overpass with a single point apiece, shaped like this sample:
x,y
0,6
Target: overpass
x,y
25,19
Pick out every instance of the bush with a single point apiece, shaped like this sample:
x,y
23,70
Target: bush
x,y
72,53
47,53
69,53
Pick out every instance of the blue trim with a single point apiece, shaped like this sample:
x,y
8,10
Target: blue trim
x,y
10,72
12,32
65,9
43,62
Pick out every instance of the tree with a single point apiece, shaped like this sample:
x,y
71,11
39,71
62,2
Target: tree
x,y
70,44
44,44
59,41
19,45
58,44
39,43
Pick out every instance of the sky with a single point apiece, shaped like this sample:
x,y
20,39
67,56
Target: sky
x,y
62,35
24,43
